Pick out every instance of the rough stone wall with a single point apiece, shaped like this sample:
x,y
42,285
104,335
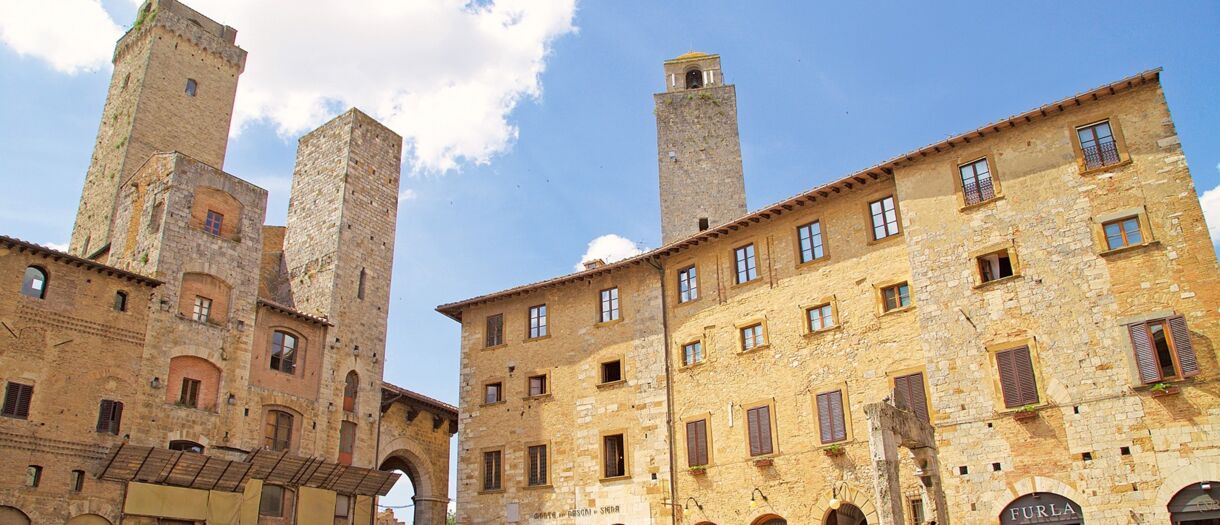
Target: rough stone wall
x,y
311,344
703,178
577,412
73,337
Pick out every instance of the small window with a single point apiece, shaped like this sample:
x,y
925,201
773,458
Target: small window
x,y
495,330
909,395
1123,232
537,321
896,296
614,457
612,371
609,305
994,266
1017,381
279,430
703,225
747,268
820,317
347,442
189,396
360,284
191,87
343,506
538,385
977,185
17,397
810,238
688,284
212,223
696,443
694,79
538,465
1163,349
351,386
752,337
885,218
109,416
120,301
758,426
283,352
33,476
492,470
1097,145
35,283
917,511
832,424
272,501
493,393
692,353
76,482
203,309
186,446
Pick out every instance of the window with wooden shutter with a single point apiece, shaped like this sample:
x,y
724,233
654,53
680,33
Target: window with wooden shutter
x,y
614,456
538,465
1017,377
832,423
696,443
1163,349
758,422
909,395
109,414
17,398
492,470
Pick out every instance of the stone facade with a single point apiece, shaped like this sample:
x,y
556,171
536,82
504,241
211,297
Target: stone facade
x,y
218,335
1088,430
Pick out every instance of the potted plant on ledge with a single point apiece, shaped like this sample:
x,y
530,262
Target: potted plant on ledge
x,y
1163,389
763,462
1025,412
834,451
698,470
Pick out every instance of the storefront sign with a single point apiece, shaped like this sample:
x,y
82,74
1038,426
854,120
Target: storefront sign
x,y
575,513
1041,508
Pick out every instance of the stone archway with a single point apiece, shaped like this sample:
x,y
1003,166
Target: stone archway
x,y
415,434
13,516
770,519
88,519
429,508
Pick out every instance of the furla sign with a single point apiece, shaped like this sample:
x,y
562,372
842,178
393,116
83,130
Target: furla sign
x,y
1042,508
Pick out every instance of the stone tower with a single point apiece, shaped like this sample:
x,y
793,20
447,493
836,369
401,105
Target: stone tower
x,y
698,148
175,77
339,251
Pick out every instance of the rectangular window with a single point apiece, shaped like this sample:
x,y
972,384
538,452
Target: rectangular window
x,y
492,469
832,424
896,296
752,337
347,442
538,465
77,481
614,455
493,393
820,317
1163,349
537,321
747,267
909,395
994,266
189,395
109,415
758,423
1097,145
1017,377
688,284
495,330
810,238
33,476
360,284
212,223
917,511
120,301
1123,232
203,308
278,434
343,506
885,218
612,371
537,385
191,87
696,443
609,310
692,353
271,502
976,182
17,398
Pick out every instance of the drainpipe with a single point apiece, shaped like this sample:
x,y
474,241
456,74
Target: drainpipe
x,y
669,395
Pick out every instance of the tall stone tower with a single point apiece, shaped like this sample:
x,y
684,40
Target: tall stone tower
x,y
339,251
175,77
698,148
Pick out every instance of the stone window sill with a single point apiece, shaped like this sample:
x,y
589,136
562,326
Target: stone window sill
x,y
495,347
814,333
996,282
548,486
971,207
611,384
815,262
500,402
680,303
758,348
1102,169
492,491
747,284
539,338
692,365
898,310
539,397
615,479
872,241
1129,248
612,322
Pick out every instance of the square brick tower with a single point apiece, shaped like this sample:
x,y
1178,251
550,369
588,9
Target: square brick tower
x,y
175,78
698,148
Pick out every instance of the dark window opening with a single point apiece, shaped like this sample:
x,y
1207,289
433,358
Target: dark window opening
x,y
189,396
492,469
538,466
120,301
17,398
272,501
347,442
279,430
34,284
33,475
191,86
612,371
694,79
537,385
615,458
994,266
360,285
186,446
109,415
703,225
351,385
77,480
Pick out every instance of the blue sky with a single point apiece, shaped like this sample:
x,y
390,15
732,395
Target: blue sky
x,y
551,143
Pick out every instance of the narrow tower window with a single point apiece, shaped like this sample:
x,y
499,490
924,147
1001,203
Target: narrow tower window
x,y
703,223
120,301
191,86
694,79
360,285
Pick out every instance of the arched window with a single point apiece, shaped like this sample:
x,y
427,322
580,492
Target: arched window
x,y
35,283
350,387
120,301
186,446
694,79
279,430
284,352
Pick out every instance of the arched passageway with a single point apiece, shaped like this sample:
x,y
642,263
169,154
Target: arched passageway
x,y
12,516
1196,504
846,514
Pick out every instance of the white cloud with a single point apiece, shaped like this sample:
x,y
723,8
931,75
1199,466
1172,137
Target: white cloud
x,y
609,248
61,247
1210,201
70,35
407,194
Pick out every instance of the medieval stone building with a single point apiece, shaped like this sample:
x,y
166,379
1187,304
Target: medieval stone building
x,y
1015,325
186,363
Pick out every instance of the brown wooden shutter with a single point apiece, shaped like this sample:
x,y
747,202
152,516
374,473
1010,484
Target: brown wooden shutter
x,y
753,430
1145,356
692,444
838,424
117,417
701,441
762,417
1017,377
825,427
1183,346
103,416
17,400
1025,376
909,394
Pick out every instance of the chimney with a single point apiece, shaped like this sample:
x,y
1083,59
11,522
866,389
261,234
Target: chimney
x,y
594,264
